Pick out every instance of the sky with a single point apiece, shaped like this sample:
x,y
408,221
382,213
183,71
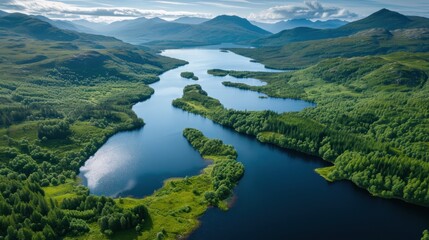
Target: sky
x,y
256,10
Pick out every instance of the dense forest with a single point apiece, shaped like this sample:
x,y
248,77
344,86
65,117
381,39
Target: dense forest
x,y
356,124
53,119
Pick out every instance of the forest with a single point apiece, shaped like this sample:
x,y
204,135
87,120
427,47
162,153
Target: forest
x,y
80,92
356,124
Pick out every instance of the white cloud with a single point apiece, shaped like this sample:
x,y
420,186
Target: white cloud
x,y
308,10
222,5
59,10
175,3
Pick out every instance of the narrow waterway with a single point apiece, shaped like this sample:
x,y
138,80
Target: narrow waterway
x,y
280,196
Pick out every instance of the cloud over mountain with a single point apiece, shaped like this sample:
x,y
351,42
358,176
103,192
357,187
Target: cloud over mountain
x,y
64,10
308,10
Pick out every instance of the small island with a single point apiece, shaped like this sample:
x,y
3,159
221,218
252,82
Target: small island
x,y
189,75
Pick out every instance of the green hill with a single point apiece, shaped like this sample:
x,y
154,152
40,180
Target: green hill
x,y
369,42
32,27
42,49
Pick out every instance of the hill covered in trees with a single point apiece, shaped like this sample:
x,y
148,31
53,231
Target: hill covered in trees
x,y
376,41
370,121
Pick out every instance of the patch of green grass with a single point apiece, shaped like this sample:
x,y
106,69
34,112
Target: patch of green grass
x,y
324,172
60,192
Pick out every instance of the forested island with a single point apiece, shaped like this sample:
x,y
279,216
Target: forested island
x,y
189,75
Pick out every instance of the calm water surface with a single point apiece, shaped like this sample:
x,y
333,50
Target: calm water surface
x,y
280,195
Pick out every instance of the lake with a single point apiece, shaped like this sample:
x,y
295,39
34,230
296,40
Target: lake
x,y
280,195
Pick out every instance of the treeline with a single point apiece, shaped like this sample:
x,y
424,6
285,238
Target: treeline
x,y
109,216
53,130
380,174
226,171
26,214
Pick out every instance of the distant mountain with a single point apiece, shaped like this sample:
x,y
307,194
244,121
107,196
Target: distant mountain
x,y
35,28
95,26
294,23
143,30
233,22
65,25
191,20
382,19
157,32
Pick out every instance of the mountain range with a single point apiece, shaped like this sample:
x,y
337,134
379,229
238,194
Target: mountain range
x,y
191,20
294,23
158,32
384,18
66,25
189,31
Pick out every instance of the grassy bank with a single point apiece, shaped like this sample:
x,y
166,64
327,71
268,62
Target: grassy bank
x,y
173,210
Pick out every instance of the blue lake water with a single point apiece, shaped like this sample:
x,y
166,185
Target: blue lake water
x,y
280,195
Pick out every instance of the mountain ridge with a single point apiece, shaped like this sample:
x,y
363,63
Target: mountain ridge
x,y
383,18
158,32
294,23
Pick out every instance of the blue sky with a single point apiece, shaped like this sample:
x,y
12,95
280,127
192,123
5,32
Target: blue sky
x,y
268,11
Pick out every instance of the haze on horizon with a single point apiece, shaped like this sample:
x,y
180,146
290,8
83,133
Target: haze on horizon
x,y
257,10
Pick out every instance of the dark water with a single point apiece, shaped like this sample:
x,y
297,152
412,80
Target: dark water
x,y
280,196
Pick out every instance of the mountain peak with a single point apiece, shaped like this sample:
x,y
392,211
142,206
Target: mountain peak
x,y
191,20
228,18
383,18
156,20
384,12
223,20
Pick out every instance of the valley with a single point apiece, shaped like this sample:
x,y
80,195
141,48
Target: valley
x,y
214,128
